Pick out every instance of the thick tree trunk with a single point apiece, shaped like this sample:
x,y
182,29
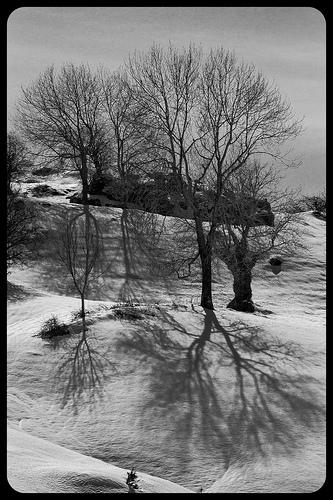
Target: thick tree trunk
x,y
205,252
83,314
242,301
83,311
206,281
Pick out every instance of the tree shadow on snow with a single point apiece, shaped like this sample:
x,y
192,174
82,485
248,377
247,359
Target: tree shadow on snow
x,y
143,256
82,371
17,293
130,267
229,389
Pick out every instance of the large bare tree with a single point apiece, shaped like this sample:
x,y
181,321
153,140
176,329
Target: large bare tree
x,y
209,116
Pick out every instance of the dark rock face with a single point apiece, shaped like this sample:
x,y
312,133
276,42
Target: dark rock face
x,y
45,171
275,261
95,202
99,183
319,215
161,194
264,215
44,190
235,210
77,198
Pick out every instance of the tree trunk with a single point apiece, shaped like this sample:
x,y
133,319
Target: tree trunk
x,y
84,179
242,301
83,313
206,280
205,252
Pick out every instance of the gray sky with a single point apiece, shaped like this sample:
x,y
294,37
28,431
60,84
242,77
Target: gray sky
x,y
288,44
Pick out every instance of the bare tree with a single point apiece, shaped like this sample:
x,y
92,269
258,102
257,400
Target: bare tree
x,y
22,227
209,116
22,230
60,115
126,123
18,160
245,237
80,250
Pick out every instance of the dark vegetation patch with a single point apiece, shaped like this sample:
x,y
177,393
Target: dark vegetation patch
x,y
17,292
45,171
53,328
44,190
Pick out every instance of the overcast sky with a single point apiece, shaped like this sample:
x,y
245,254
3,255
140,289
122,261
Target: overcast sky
x,y
288,44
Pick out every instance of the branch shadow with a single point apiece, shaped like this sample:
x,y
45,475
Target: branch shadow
x,y
82,371
130,268
17,293
230,388
145,252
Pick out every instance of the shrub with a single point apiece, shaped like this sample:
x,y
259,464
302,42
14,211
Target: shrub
x,y
296,206
316,203
53,328
132,481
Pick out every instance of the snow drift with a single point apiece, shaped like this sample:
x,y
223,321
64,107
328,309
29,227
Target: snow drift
x,y
38,466
248,417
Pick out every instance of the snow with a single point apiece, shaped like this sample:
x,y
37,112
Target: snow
x,y
38,466
224,426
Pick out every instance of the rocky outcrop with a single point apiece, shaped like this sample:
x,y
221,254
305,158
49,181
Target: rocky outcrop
x,y
161,196
44,190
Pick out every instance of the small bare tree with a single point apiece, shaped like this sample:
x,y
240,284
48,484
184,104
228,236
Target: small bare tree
x,y
81,371
245,236
80,250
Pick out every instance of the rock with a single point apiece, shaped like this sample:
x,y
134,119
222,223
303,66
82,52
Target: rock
x,y
45,171
95,202
275,261
75,198
44,190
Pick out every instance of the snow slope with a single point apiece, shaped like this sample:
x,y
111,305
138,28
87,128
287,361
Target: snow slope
x,y
248,418
38,466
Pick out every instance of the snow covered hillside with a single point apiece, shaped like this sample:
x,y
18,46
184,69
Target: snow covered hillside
x,y
38,466
223,400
